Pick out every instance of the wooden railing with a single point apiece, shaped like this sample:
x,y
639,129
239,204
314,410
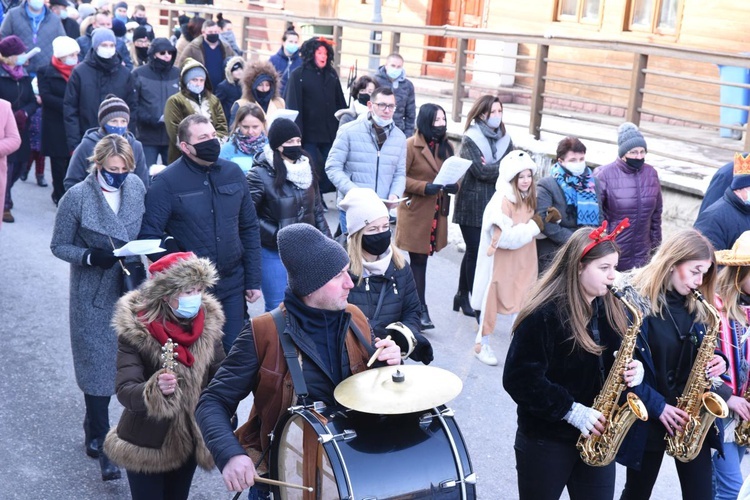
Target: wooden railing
x,y
538,85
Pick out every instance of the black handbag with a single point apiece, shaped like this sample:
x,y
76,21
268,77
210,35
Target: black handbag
x,y
135,275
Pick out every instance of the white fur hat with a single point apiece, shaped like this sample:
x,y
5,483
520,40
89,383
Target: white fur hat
x,y
514,163
362,206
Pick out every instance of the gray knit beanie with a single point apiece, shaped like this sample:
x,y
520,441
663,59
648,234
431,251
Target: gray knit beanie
x,y
311,259
628,137
100,35
195,72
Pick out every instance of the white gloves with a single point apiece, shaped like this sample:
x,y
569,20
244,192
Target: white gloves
x,y
638,374
582,418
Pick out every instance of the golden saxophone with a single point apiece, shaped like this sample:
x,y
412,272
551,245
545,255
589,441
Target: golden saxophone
x,y
701,405
742,429
599,451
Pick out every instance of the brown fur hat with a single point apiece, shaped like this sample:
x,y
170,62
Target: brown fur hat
x,y
175,273
253,71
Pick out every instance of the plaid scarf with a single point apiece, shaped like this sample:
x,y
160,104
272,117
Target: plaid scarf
x,y
580,194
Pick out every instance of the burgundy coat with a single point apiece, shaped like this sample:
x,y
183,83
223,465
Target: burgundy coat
x,y
636,194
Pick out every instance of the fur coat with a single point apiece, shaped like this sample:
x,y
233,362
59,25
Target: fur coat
x,y
158,433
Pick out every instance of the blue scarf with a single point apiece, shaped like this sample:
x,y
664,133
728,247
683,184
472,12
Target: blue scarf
x,y
580,194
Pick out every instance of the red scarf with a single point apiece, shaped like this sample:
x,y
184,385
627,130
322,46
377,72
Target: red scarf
x,y
63,68
162,331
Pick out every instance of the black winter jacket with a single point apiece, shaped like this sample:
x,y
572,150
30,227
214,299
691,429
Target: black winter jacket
x,y
545,378
279,208
725,220
153,88
89,84
317,95
389,298
52,87
20,95
208,210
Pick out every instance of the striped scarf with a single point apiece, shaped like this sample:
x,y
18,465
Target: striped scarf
x,y
580,194
736,350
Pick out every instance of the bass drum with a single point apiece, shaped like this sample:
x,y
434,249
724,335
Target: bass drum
x,y
345,454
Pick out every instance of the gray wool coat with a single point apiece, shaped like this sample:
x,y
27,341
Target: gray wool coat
x,y
17,22
85,220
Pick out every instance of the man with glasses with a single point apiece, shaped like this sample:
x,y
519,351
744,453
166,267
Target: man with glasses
x,y
629,188
370,152
155,82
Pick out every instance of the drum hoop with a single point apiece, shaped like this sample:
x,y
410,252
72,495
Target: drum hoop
x,y
316,424
454,449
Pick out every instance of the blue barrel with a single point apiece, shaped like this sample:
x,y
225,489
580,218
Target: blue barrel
x,y
733,95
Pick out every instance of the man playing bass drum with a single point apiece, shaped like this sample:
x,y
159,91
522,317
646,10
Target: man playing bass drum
x,y
561,352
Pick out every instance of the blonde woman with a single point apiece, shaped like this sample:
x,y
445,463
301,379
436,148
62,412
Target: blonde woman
x,y
93,217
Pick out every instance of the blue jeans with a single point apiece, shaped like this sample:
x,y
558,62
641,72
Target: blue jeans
x,y
151,152
235,310
727,473
342,221
273,278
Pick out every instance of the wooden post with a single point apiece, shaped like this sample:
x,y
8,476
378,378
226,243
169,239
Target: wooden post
x,y
243,37
537,100
337,36
462,44
637,82
395,42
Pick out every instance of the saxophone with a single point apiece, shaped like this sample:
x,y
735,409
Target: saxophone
x,y
701,405
599,451
742,429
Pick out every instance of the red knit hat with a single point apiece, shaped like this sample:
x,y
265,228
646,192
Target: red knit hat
x,y
168,261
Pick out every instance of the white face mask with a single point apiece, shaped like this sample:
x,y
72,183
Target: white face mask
x,y
106,52
575,167
495,121
129,37
71,61
381,122
195,89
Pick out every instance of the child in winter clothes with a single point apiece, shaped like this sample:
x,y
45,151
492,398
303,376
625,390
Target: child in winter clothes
x,y
510,256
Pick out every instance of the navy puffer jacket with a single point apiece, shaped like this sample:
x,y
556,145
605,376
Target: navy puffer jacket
x,y
635,194
208,210
725,220
396,293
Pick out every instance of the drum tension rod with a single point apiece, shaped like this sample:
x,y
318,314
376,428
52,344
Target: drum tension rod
x,y
346,436
470,479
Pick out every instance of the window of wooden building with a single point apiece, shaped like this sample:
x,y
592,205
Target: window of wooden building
x,y
580,11
653,16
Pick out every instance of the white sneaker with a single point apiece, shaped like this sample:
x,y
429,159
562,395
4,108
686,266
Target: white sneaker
x,y
486,356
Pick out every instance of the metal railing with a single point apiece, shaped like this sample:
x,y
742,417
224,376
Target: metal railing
x,y
637,91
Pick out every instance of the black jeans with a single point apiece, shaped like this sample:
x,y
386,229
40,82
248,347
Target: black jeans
x,y
418,264
15,169
546,467
96,424
172,485
471,236
59,167
695,476
235,311
318,152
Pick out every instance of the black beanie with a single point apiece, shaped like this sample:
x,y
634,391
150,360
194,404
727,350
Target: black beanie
x,y
311,258
282,129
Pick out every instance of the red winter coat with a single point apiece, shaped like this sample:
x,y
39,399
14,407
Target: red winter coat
x,y
636,194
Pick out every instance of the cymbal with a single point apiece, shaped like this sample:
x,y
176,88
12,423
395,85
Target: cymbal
x,y
394,390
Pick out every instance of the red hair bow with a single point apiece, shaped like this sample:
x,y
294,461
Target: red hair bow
x,y
326,40
600,234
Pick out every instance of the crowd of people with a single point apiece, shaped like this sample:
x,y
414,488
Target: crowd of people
x,y
247,150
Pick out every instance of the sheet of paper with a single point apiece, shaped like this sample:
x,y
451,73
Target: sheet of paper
x,y
138,247
452,170
281,113
397,200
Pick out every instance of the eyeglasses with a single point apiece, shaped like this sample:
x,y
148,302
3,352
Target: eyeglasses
x,y
636,152
383,106
163,52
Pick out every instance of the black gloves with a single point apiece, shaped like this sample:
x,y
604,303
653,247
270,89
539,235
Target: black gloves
x,y
169,244
431,189
423,350
450,188
102,258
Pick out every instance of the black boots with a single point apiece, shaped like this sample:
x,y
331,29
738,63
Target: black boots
x,y
461,300
424,321
109,470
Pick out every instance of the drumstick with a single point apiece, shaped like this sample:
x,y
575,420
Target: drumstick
x,y
377,353
273,482
124,269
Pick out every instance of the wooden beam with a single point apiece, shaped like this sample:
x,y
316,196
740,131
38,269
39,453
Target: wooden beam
x,y
537,96
458,83
637,82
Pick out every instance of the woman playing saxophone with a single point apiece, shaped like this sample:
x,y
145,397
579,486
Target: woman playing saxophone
x,y
733,303
674,331
559,357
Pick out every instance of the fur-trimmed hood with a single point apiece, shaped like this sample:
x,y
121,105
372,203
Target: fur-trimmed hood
x,y
252,72
228,67
182,275
158,433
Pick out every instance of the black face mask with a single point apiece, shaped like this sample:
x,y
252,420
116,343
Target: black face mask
x,y
376,244
140,20
635,163
161,65
142,53
262,94
294,153
438,132
212,38
207,150
363,99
